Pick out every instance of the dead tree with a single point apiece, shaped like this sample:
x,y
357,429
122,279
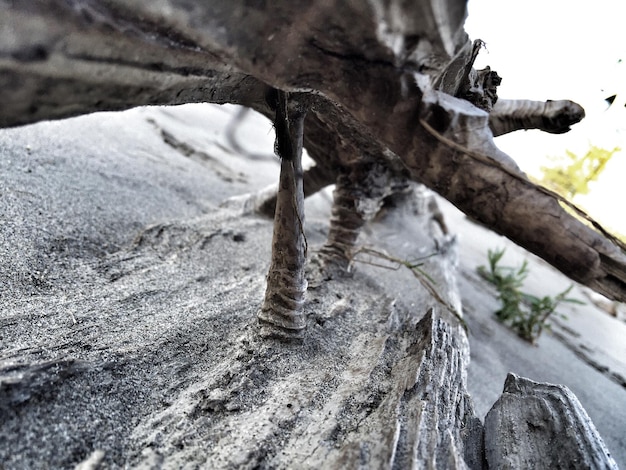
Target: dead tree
x,y
390,83
393,98
360,190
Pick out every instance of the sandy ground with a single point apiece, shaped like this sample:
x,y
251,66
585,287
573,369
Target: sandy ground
x,y
118,266
586,352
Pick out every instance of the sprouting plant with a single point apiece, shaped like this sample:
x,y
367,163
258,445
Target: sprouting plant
x,y
525,313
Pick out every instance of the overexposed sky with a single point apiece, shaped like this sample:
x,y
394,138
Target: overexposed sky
x,y
559,49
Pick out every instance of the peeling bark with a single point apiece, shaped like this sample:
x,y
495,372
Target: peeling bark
x,y
379,98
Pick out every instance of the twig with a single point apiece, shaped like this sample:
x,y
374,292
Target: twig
x,y
419,274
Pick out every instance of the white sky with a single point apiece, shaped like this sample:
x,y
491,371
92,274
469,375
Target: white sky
x,y
560,49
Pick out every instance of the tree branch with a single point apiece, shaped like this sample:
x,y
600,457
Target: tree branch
x,y
374,97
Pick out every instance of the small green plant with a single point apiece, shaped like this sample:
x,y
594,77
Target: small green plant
x,y
524,313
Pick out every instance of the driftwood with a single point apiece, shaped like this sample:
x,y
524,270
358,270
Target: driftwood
x,y
536,425
372,87
286,282
361,190
392,93
554,117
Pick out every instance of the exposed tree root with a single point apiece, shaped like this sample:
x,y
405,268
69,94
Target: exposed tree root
x,y
281,314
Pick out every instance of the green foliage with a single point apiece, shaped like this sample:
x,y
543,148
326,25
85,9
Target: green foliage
x,y
572,174
525,313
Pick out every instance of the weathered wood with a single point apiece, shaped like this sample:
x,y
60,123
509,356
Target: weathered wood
x,y
371,67
360,189
539,425
176,373
281,313
551,116
357,197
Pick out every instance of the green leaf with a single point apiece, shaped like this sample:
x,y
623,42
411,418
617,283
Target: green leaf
x,y
525,313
